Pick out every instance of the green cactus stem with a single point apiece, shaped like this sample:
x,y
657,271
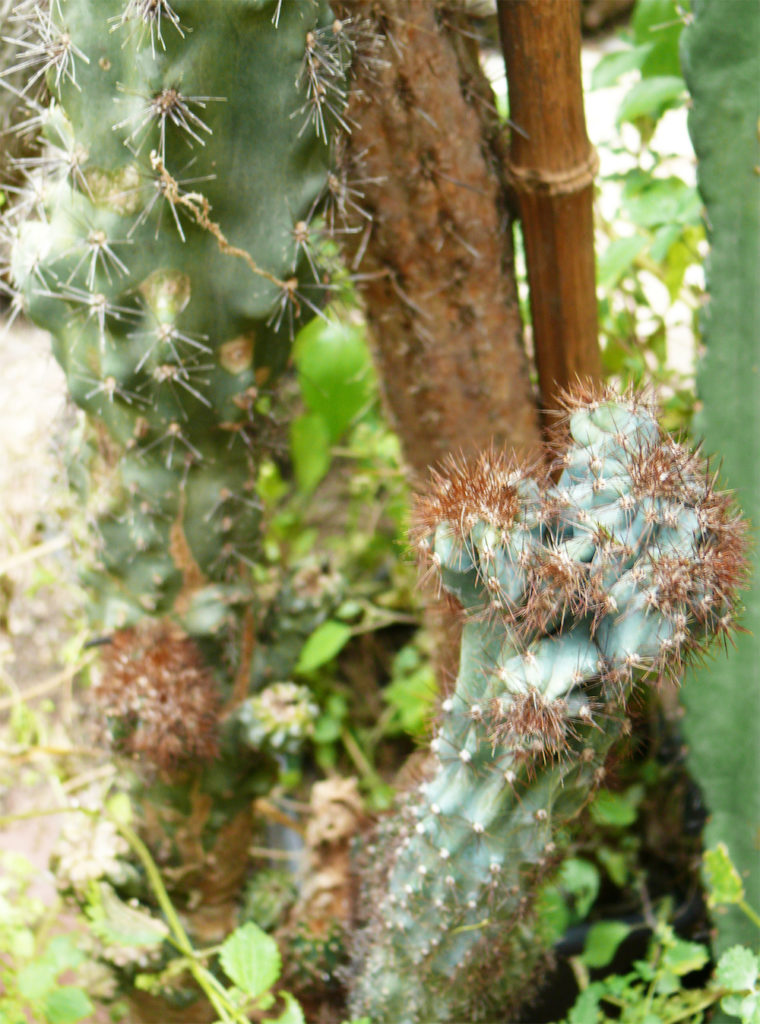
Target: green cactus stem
x,y
721,64
166,245
575,593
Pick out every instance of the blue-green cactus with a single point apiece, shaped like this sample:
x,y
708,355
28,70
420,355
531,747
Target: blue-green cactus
x,y
574,592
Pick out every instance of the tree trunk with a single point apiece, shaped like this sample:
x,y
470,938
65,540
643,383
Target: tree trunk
x,y
437,271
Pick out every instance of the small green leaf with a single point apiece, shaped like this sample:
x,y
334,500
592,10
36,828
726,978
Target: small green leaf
x,y
580,879
292,1014
62,954
651,97
411,692
723,881
602,942
323,644
618,258
250,959
683,957
553,917
310,450
738,969
66,1005
747,1008
663,201
586,1008
615,864
610,808
119,808
327,729
659,23
664,238
118,924
335,372
35,979
613,65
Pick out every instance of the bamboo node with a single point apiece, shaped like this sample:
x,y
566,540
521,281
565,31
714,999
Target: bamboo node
x,y
526,180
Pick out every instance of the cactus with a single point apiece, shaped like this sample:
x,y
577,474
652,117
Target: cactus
x,y
721,62
574,593
167,248
167,242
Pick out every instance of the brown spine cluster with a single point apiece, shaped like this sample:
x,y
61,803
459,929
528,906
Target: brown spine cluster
x,y
691,586
161,701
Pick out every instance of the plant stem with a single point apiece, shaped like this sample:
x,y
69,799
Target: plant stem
x,y
751,914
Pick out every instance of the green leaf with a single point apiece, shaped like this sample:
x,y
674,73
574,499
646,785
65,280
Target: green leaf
x,y
651,97
66,1005
310,450
683,957
738,969
20,943
62,954
270,486
553,917
117,924
323,644
610,808
664,237
663,201
613,65
327,729
119,808
292,1014
602,942
618,258
723,881
615,864
659,23
747,1008
35,979
586,1008
335,372
580,879
411,692
250,959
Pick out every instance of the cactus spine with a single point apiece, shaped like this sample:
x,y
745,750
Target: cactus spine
x,y
573,592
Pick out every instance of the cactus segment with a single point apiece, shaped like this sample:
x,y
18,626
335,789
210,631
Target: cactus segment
x,y
720,53
165,244
574,593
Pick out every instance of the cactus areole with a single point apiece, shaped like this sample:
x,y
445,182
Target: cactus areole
x,y
165,243
575,593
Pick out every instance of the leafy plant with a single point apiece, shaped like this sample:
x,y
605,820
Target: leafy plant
x,y
651,248
37,966
658,989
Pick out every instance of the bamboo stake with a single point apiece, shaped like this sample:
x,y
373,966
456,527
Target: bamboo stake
x,y
551,168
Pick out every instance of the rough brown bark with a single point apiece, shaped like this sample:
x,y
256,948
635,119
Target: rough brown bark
x,y
436,275
551,167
